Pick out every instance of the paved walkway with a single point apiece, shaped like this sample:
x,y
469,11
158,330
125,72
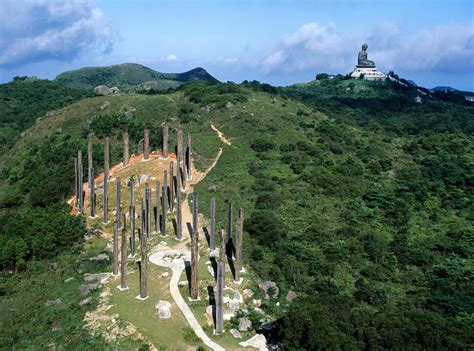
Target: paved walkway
x,y
164,259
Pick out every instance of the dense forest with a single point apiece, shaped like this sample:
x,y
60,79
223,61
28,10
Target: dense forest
x,y
357,198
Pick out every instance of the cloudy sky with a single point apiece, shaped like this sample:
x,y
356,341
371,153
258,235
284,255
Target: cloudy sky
x,y
280,42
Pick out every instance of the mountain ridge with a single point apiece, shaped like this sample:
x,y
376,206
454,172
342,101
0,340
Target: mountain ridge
x,y
130,76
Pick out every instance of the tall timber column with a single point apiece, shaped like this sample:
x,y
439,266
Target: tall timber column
x,y
212,234
123,259
76,181
125,149
132,218
164,200
80,182
118,200
239,233
158,208
146,145
106,179
147,211
165,140
106,154
92,192
230,241
115,249
180,158
172,191
194,251
188,158
89,157
220,286
143,267
179,218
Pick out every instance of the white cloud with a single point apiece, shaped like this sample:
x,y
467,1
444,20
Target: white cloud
x,y
171,58
40,30
315,47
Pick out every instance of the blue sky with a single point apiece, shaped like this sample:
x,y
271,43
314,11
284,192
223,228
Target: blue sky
x,y
280,42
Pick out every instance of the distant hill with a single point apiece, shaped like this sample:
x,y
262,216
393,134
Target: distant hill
x,y
130,76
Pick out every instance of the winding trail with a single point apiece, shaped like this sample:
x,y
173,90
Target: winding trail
x,y
175,258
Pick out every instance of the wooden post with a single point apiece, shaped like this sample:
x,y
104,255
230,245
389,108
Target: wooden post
x,y
92,192
117,201
89,157
125,149
148,207
180,159
81,182
165,209
76,181
158,208
143,266
115,249
165,140
132,231
188,158
123,259
230,223
171,190
220,286
106,154
179,220
106,198
239,233
194,251
212,234
146,145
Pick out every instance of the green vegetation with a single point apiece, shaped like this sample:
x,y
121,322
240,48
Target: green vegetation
x,y
356,197
130,76
25,99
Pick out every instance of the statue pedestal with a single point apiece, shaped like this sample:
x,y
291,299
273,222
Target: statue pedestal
x,y
369,73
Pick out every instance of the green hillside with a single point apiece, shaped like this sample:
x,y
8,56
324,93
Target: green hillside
x,y
356,197
130,76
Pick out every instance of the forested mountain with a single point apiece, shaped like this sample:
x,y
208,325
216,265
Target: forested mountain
x,y
357,198
130,76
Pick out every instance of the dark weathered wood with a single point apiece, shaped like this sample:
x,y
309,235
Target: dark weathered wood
x,y
220,286
171,189
143,266
165,140
80,167
212,229
188,158
76,181
239,233
230,224
123,259
125,149
89,154
179,219
180,158
115,263
158,207
148,209
132,230
118,200
146,145
92,192
194,250
106,196
165,209
106,154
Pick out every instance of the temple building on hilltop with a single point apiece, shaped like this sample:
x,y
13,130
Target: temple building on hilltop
x,y
366,68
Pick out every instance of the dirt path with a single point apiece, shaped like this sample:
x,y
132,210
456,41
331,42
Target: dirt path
x,y
177,266
221,135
